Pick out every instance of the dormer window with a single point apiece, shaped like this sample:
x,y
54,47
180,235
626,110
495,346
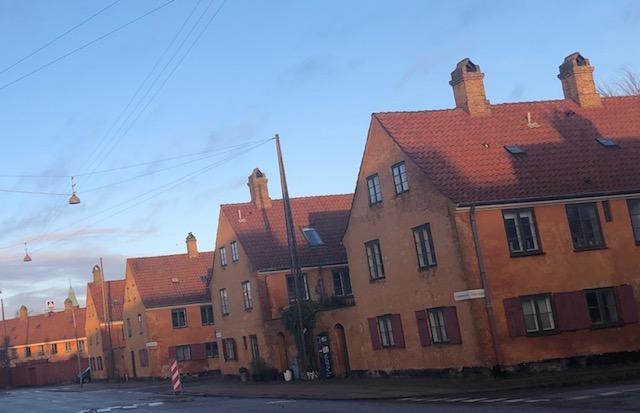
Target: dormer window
x,y
312,237
515,149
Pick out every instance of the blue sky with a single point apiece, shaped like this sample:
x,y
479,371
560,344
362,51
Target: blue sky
x,y
311,71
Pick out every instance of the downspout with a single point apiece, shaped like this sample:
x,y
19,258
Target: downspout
x,y
487,292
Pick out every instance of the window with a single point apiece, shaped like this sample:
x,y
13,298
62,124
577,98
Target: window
x,y
341,283
385,329
634,212
27,351
80,346
515,149
143,355
374,259
67,346
140,324
99,363
291,287
424,246
223,256
92,363
606,208
437,325
602,307
183,353
54,348
400,180
538,315
312,237
234,251
255,351
522,234
212,350
206,314
246,295
585,226
129,332
179,318
607,143
229,345
375,193
41,350
224,302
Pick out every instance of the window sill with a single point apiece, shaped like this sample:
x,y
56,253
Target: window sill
x,y
175,328
427,268
249,309
527,254
399,194
601,247
375,204
543,333
607,325
377,280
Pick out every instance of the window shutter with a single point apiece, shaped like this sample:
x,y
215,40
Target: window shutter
x,y
423,328
398,334
515,317
571,310
451,325
172,353
373,331
198,351
225,355
627,304
235,349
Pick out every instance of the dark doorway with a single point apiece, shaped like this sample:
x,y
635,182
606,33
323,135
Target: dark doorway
x,y
342,352
33,377
283,353
133,364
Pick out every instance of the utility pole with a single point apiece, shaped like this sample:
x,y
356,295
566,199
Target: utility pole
x,y
293,252
106,310
5,342
75,332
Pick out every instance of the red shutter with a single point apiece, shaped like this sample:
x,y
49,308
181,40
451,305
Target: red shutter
x,y
172,353
198,351
451,325
398,334
571,311
627,304
373,331
515,317
423,328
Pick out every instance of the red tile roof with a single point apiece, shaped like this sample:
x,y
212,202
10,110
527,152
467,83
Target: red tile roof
x,y
263,234
44,328
464,155
114,293
171,279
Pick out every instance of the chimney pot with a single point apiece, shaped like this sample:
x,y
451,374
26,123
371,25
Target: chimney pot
x,y
467,81
259,189
576,75
192,246
97,274
24,312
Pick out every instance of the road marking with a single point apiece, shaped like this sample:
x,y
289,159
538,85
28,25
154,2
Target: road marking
x,y
438,399
280,401
579,397
538,400
461,399
475,400
154,404
133,406
514,400
610,393
494,400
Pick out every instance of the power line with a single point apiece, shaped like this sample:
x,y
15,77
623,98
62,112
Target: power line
x,y
33,192
60,36
84,46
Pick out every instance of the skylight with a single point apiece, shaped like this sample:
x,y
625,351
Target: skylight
x,y
515,149
606,142
312,237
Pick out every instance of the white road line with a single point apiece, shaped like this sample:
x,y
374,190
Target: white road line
x,y
475,400
133,406
154,404
610,393
537,400
580,397
494,400
513,400
461,399
108,409
437,399
280,401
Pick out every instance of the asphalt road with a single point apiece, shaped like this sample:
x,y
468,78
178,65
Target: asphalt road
x,y
613,398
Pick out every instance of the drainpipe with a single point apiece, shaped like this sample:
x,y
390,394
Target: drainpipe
x,y
485,286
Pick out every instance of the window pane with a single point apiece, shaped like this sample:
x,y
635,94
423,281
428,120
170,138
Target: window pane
x,y
512,233
528,230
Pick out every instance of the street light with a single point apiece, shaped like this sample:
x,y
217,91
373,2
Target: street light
x,y
73,199
27,257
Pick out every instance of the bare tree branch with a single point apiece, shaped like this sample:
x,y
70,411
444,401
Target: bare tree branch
x,y
627,85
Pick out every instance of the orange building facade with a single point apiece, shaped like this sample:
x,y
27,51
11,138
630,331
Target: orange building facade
x,y
168,315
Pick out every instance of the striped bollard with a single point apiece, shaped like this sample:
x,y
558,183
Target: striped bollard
x,y
175,377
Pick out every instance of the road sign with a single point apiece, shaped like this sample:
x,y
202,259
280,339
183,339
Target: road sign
x,y
468,295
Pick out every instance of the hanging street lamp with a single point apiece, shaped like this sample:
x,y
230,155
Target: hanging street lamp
x,y
27,257
73,199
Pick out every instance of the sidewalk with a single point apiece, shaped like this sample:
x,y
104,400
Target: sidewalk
x,y
397,388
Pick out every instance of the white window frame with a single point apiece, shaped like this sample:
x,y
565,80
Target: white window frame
x,y
234,251
246,295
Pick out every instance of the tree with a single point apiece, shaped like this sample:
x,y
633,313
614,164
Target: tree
x,y
627,85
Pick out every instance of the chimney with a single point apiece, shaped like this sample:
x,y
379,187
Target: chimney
x,y
576,75
259,189
468,88
192,246
24,313
68,304
97,274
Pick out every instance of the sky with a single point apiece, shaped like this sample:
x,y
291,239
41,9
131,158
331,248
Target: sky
x,y
194,90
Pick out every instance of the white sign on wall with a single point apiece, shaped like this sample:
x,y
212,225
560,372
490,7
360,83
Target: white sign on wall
x,y
152,344
468,295
218,334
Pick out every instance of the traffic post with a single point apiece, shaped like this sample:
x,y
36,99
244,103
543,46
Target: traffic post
x,y
175,377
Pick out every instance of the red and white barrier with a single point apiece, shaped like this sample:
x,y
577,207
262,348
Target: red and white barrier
x,y
175,377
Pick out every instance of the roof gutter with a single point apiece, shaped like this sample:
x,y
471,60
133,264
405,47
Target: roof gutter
x,y
485,285
464,206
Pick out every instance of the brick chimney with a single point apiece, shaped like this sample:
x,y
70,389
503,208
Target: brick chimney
x,y
97,274
576,75
259,189
68,304
192,246
468,88
24,312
